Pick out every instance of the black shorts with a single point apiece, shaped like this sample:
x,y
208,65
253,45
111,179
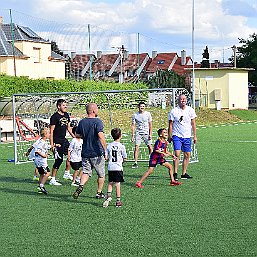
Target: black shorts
x,y
76,165
43,170
63,149
115,176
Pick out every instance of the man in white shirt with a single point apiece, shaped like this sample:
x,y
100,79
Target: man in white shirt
x,y
181,124
141,130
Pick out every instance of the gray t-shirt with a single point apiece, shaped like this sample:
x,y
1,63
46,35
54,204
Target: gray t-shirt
x,y
89,128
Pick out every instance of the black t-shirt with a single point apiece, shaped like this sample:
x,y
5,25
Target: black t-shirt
x,y
61,124
89,128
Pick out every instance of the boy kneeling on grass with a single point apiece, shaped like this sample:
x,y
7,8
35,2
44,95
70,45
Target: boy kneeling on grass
x,y
41,154
157,157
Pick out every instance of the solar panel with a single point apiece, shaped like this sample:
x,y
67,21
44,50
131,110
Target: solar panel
x,y
29,32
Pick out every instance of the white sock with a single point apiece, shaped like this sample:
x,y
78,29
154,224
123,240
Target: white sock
x,y
41,185
67,171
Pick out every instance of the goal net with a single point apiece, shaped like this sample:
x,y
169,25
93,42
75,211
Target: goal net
x,y
31,112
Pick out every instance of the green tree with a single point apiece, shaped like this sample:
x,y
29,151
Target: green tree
x,y
166,79
247,56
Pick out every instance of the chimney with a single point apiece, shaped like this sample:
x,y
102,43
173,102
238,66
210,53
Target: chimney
x,y
216,63
1,20
183,57
154,54
72,55
98,54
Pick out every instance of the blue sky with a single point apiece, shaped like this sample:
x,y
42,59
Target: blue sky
x,y
163,25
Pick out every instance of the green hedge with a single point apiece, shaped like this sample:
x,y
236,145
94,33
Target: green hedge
x,y
14,85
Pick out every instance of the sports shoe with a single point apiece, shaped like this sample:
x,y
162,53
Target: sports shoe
x,y
99,196
53,182
139,185
186,176
43,190
77,180
74,184
77,192
106,202
175,175
39,190
68,176
118,204
134,166
175,183
35,179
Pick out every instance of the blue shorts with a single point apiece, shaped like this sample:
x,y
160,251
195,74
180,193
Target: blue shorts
x,y
183,144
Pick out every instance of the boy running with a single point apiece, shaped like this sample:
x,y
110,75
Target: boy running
x,y
116,153
41,153
157,157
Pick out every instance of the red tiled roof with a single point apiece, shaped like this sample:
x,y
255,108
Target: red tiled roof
x,y
105,63
161,62
133,61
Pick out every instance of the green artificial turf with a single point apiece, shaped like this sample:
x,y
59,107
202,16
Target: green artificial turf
x,y
214,214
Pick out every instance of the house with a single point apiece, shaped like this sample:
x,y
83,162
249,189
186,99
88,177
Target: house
x,y
24,53
225,87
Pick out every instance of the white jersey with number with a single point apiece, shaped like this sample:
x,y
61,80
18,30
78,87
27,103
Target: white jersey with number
x,y
182,121
75,150
41,147
141,120
116,152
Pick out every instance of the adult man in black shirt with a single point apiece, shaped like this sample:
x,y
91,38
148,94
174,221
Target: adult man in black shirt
x,y
59,124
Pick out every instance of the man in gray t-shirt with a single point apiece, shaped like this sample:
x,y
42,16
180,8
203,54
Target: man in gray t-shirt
x,y
93,149
141,130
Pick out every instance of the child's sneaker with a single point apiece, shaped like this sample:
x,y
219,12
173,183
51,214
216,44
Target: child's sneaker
x,y
74,184
43,190
77,180
118,204
77,192
35,178
175,183
100,195
53,182
39,190
175,175
134,166
139,185
67,176
186,176
106,202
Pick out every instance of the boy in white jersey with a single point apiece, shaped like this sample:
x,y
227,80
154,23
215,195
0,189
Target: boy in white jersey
x,y
116,154
31,154
141,130
41,153
74,156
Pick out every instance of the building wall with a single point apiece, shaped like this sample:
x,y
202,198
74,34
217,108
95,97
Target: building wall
x,y
238,90
37,65
230,86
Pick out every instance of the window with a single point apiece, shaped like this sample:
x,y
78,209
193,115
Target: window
x,y
161,62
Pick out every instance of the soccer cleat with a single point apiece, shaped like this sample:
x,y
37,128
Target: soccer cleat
x,y
74,184
35,179
106,202
77,192
118,204
43,190
77,180
139,185
68,176
134,166
53,182
175,183
100,195
39,190
186,176
175,175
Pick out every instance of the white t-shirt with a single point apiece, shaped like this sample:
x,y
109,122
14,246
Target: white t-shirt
x,y
75,150
116,153
42,147
182,121
32,153
142,122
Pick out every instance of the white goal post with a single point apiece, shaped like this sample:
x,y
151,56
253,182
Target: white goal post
x,y
32,111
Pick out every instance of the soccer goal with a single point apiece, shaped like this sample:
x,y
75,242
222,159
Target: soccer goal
x,y
31,112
